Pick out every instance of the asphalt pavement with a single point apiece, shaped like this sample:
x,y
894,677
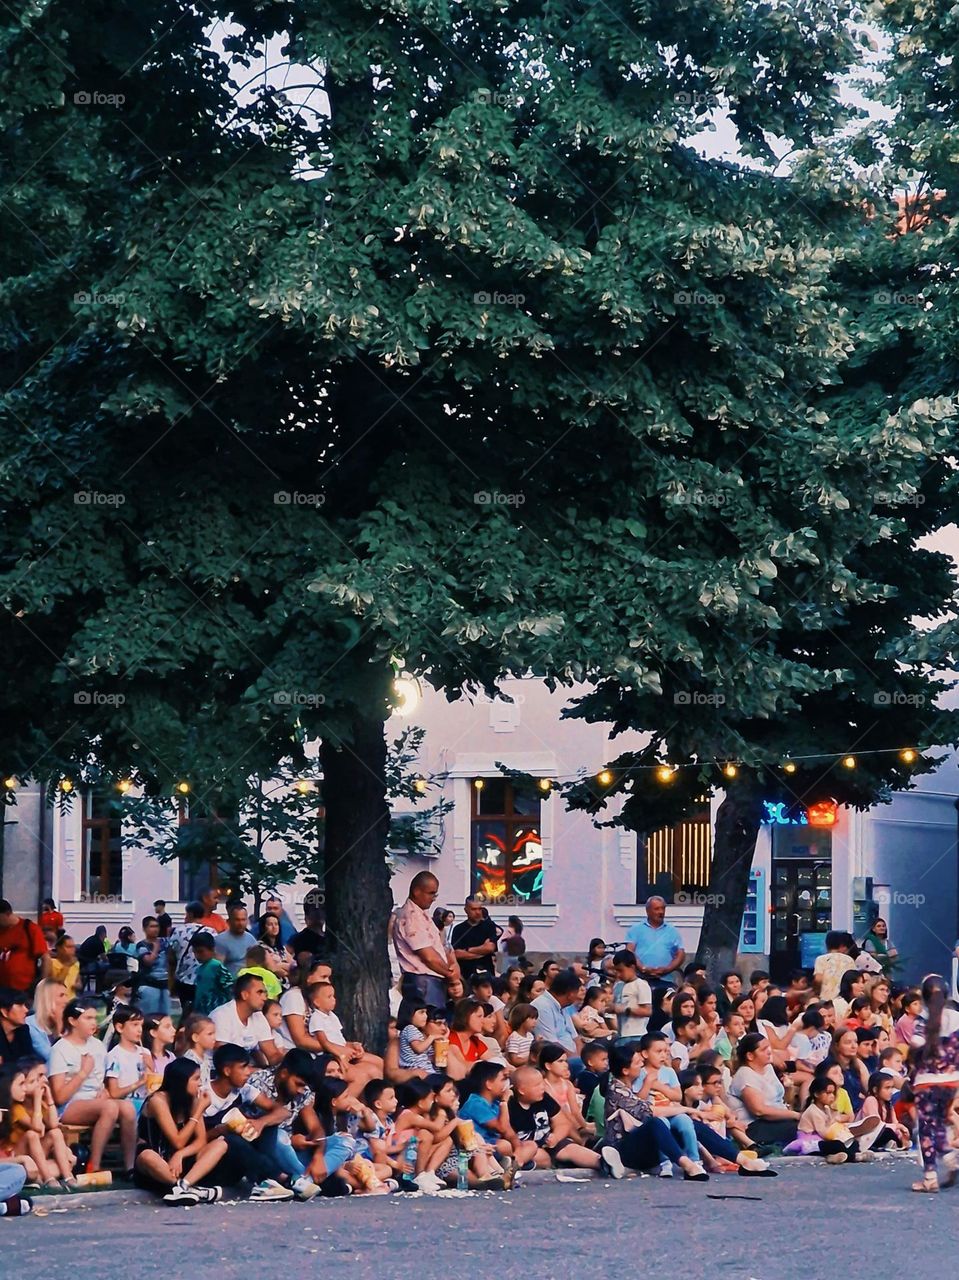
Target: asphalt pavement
x,y
813,1222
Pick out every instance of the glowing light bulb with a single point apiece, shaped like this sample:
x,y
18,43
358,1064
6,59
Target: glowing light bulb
x,y
479,784
420,786
10,784
665,773
544,784
730,770
304,786
66,785
604,778
908,756
849,762
183,788
789,767
124,785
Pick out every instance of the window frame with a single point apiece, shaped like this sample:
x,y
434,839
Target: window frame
x,y
684,837
513,823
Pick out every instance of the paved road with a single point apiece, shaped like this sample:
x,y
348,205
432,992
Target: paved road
x,y
811,1223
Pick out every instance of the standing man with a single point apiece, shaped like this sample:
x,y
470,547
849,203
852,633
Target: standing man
x,y
657,946
22,947
164,919
426,963
153,995
183,962
211,920
233,944
474,940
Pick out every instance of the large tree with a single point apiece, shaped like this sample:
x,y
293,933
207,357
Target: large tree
x,y
472,361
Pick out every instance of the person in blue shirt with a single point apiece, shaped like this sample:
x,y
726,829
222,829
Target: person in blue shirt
x,y
555,1009
485,1104
658,946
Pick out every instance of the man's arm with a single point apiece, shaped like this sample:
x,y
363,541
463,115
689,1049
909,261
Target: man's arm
x,y
271,1052
679,959
439,964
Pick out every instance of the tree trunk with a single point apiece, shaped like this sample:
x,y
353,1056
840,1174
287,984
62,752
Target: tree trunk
x,y
737,827
357,880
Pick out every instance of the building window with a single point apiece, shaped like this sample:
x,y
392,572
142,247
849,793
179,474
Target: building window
x,y
102,840
507,854
675,859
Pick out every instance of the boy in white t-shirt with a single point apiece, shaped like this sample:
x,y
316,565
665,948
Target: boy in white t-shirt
x,y
359,1067
128,1062
632,998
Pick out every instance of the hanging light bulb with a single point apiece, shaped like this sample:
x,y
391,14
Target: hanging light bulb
x,y
849,762
730,770
479,784
10,784
66,785
604,778
665,773
544,784
183,788
420,786
124,785
304,786
908,755
407,694
790,767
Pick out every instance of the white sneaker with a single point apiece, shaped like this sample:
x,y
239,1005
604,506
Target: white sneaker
x,y
429,1183
666,1169
269,1189
208,1195
305,1188
181,1193
614,1162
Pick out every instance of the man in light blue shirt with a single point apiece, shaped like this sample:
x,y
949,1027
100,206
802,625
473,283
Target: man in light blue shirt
x,y
555,1009
658,946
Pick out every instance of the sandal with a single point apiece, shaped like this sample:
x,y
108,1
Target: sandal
x,y
930,1183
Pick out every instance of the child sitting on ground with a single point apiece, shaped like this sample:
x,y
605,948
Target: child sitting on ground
x,y
823,1129
878,1102
484,1094
522,1032
554,1063
536,1117
714,1111
686,1038
595,1059
415,1118
30,1131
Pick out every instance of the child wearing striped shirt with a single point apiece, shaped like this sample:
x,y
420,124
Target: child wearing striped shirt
x,y
522,1026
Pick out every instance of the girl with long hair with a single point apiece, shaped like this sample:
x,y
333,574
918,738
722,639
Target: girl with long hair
x,y
935,1079
173,1152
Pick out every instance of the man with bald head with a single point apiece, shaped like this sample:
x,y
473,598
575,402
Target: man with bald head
x,y
426,963
536,1117
657,946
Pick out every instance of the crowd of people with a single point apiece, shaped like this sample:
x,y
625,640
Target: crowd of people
x,y
209,1055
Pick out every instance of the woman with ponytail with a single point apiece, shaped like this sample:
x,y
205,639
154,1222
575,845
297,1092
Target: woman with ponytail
x,y
935,1080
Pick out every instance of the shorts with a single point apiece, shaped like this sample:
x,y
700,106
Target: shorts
x,y
555,1152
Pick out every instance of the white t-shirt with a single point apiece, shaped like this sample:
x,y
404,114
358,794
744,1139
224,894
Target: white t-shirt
x,y
126,1066
679,1052
766,1082
329,1024
205,1062
65,1060
291,1001
634,994
230,1030
218,1106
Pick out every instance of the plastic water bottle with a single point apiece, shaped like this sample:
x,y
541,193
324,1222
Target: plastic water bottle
x,y
462,1169
409,1155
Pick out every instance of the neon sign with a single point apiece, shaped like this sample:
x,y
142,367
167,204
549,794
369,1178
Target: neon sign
x,y
824,813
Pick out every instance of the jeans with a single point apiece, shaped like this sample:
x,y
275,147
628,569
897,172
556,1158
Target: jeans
x,y
12,1178
427,987
683,1131
286,1157
153,1000
337,1149
649,1145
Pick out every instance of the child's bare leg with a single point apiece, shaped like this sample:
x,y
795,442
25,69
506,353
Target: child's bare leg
x,y
55,1145
525,1151
423,1149
579,1156
439,1153
481,1164
32,1146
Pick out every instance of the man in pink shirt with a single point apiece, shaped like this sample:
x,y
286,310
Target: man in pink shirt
x,y
426,963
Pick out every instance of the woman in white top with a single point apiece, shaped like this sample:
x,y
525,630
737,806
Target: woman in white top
x,y
936,1040
76,1070
757,1095
294,1032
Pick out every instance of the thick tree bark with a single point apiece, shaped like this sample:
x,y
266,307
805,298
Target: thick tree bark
x,y
737,827
357,881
